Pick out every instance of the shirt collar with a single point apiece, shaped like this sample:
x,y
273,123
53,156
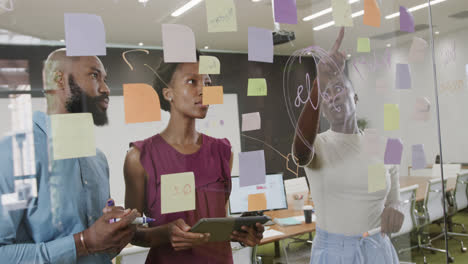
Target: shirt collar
x,y
42,120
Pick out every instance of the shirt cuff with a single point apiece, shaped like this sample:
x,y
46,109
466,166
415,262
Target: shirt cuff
x,y
62,250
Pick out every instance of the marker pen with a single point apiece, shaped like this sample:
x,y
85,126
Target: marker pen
x,y
137,221
372,232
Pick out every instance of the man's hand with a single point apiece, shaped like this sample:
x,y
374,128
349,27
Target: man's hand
x,y
391,220
251,236
180,237
107,237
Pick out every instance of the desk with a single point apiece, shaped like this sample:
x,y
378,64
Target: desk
x,y
289,231
422,182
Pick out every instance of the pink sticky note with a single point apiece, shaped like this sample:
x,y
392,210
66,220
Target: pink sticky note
x,y
285,11
178,43
251,121
418,50
393,151
419,158
422,109
406,20
260,45
252,169
373,143
403,77
84,35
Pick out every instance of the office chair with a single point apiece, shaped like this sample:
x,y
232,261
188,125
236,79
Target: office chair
x,y
432,211
459,201
407,207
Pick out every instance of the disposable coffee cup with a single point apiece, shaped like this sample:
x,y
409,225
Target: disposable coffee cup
x,y
308,210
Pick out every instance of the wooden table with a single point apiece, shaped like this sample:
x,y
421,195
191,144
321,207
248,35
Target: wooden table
x,y
422,182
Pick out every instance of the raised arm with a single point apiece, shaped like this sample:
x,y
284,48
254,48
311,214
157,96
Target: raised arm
x,y
308,122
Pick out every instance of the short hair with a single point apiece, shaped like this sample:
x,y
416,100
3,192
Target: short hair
x,y
163,77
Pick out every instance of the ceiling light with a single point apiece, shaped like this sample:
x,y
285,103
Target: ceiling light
x,y
331,23
323,12
437,32
309,53
140,44
185,8
256,1
62,40
206,47
349,55
142,1
389,45
415,8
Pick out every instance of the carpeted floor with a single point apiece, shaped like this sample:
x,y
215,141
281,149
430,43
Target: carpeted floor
x,y
299,253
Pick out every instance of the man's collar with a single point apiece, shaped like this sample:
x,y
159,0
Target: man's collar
x,y
42,120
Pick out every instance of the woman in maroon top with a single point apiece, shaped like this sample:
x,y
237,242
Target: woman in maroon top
x,y
180,148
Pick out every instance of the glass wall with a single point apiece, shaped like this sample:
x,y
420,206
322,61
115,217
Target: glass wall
x,y
350,109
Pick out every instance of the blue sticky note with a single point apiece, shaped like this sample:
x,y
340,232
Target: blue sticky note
x,y
252,169
406,20
260,45
418,157
285,11
393,152
84,35
403,77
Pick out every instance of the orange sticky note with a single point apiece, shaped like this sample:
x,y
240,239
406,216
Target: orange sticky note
x,y
257,202
212,95
371,13
141,103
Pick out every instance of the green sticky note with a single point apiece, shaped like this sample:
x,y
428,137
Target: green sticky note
x,y
221,15
73,136
391,117
257,87
341,12
209,65
363,45
376,180
177,192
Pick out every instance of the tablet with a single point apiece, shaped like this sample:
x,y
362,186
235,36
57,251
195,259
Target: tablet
x,y
220,229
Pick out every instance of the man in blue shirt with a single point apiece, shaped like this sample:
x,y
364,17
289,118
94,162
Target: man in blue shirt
x,y
66,222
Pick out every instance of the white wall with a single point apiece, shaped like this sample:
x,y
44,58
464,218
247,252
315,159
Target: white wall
x,y
451,69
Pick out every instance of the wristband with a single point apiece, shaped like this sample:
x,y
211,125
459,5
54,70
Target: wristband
x,y
83,243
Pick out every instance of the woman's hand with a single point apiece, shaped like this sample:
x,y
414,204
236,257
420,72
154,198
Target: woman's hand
x,y
180,237
251,236
391,220
334,64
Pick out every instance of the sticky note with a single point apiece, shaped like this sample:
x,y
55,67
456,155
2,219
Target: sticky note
x,y
403,76
373,145
341,11
260,45
363,45
141,103
376,180
73,136
178,43
406,20
257,87
393,151
371,13
209,65
212,95
381,85
418,50
285,11
418,157
391,117
251,121
177,192
84,35
422,109
221,15
252,169
257,202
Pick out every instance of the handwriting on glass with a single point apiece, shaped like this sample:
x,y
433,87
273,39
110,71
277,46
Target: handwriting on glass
x,y
325,96
223,18
182,190
374,62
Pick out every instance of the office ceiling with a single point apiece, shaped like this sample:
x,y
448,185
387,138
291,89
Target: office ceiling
x,y
129,22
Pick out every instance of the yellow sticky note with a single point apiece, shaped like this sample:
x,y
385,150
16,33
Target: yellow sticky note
x,y
177,192
342,13
391,117
221,15
376,180
363,45
141,103
209,65
257,202
257,87
371,13
212,95
73,136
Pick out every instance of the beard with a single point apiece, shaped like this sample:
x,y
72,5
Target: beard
x,y
80,102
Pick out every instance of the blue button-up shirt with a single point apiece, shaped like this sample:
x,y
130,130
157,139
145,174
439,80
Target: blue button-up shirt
x,y
71,196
